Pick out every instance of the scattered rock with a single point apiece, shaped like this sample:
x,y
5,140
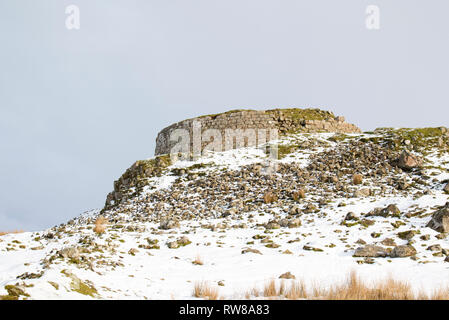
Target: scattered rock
x,y
251,250
16,291
173,245
272,225
370,250
294,210
440,219
446,188
269,197
184,241
70,253
287,275
408,161
388,242
295,223
390,210
310,208
361,193
300,194
357,179
309,248
435,247
403,251
351,216
169,224
425,237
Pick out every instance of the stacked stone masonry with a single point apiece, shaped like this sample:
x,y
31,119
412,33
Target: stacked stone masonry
x,y
282,121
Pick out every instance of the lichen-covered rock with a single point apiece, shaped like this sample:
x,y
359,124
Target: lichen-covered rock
x,y
371,251
272,225
173,245
361,193
251,250
390,210
300,194
16,291
403,251
181,242
440,220
184,241
388,242
169,224
70,253
351,216
406,235
435,247
135,179
295,223
446,188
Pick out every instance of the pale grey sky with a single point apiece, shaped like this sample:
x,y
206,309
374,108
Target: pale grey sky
x,y
78,107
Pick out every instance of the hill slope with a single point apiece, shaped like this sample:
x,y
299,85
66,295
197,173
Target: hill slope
x,y
335,203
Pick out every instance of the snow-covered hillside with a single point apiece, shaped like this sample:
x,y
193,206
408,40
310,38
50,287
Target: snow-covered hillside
x,y
335,203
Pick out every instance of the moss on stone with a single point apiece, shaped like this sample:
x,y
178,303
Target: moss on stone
x,y
80,286
54,285
135,178
15,291
297,114
286,149
422,139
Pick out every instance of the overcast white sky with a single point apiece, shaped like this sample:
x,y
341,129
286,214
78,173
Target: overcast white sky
x,y
78,107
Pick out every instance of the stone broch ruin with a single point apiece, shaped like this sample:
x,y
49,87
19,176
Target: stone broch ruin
x,y
284,120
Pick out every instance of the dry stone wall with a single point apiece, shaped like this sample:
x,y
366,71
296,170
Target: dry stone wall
x,y
282,120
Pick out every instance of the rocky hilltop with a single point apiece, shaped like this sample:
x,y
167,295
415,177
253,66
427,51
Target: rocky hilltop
x,y
339,201
284,120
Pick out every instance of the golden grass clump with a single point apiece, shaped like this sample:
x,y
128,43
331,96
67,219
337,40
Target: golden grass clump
x,y
100,225
204,290
300,194
355,289
352,289
2,233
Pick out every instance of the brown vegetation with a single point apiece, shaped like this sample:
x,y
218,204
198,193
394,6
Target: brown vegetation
x,y
204,290
357,179
2,233
352,289
100,225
